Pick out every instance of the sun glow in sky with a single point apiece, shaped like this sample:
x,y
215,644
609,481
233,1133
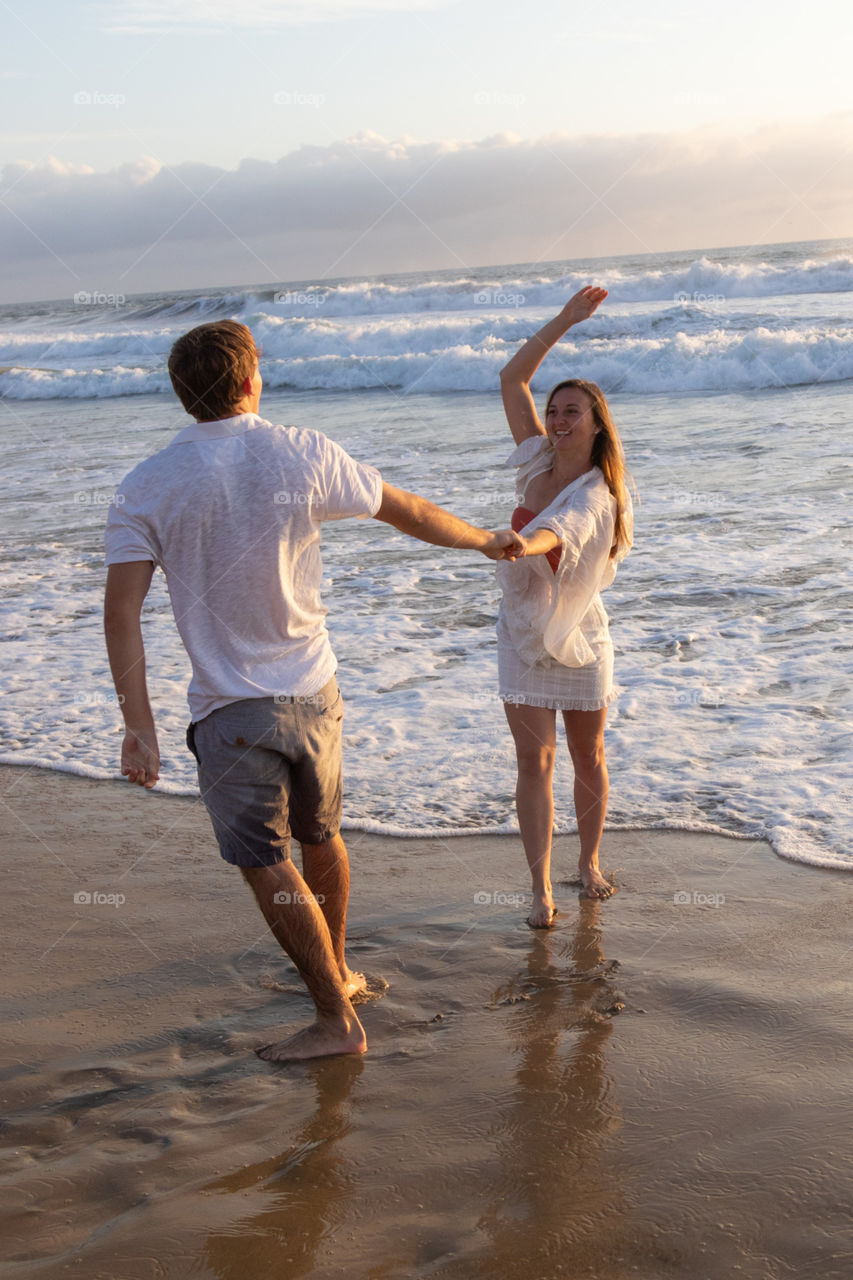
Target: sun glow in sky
x,y
473,132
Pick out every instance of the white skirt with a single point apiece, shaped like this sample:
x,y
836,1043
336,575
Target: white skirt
x,y
549,684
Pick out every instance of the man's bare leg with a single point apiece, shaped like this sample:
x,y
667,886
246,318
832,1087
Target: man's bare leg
x,y
300,929
326,871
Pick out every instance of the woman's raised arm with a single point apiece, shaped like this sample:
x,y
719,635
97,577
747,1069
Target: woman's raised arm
x,y
516,376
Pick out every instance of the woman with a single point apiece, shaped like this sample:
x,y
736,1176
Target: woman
x,y
554,647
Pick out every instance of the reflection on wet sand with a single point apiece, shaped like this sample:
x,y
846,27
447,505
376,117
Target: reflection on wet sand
x,y
542,1191
307,1189
556,1206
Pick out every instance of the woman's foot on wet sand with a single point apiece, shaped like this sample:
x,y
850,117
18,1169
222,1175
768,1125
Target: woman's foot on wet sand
x,y
320,1040
542,912
594,884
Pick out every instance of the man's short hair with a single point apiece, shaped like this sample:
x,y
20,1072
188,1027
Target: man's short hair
x,y
209,365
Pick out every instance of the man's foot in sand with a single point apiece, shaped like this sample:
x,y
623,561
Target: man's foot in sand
x,y
542,912
594,884
320,1040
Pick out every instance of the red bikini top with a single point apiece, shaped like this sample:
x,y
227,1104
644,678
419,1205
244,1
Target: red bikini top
x,y
522,516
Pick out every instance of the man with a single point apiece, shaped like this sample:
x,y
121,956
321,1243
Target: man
x,y
232,512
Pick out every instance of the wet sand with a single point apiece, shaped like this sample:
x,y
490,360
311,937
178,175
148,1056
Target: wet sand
x,y
655,1088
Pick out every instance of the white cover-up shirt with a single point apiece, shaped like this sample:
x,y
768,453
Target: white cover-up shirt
x,y
232,512
561,614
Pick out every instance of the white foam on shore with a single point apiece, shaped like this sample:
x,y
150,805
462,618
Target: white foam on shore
x,y
786,845
729,618
734,660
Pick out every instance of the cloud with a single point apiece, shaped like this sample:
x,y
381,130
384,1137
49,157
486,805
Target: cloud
x,y
169,16
368,205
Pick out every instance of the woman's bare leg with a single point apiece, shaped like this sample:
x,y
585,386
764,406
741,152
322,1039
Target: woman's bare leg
x,y
535,735
585,736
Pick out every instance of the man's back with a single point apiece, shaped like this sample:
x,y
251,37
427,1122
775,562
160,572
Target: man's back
x,y
232,511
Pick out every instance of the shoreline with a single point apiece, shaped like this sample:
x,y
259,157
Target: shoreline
x,y
384,830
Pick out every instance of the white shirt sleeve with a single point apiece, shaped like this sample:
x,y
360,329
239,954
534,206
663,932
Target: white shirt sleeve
x,y
127,536
350,488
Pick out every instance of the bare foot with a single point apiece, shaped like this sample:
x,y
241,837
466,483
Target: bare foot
x,y
320,1040
354,983
542,912
594,884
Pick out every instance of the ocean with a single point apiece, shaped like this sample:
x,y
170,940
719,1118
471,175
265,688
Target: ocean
x,y
728,374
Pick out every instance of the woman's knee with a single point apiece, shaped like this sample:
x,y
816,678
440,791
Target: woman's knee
x,y
587,757
536,762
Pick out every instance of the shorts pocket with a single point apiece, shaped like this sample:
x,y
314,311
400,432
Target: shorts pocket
x,y
334,708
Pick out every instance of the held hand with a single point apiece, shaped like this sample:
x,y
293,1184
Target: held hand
x,y
582,305
504,544
538,543
140,757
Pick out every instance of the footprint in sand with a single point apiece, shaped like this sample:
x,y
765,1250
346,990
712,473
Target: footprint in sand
x,y
375,989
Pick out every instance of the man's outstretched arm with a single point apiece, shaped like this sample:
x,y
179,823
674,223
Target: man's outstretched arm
x,y
127,587
422,519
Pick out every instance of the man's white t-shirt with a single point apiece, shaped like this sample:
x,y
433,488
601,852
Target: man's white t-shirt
x,y
232,512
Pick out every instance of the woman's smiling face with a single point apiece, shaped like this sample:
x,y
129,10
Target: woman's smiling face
x,y
570,422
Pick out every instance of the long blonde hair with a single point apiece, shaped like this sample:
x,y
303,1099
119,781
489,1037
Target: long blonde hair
x,y
607,454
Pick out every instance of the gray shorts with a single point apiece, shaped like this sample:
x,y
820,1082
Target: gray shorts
x,y
268,767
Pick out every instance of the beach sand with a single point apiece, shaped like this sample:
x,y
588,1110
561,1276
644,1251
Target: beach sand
x,y
655,1088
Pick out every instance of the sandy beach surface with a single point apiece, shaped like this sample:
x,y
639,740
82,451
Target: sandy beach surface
x,y
659,1087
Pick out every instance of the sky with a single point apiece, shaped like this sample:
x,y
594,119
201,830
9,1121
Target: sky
x,y
169,144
